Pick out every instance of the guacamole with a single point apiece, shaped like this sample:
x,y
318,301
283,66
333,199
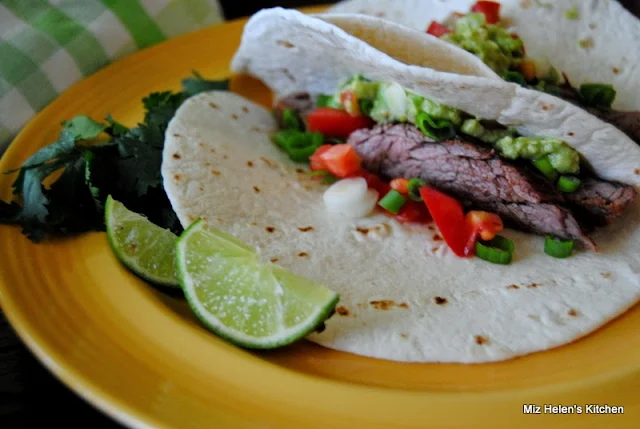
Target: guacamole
x,y
491,43
389,102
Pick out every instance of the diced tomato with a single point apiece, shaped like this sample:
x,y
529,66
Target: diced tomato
x,y
336,123
448,215
413,212
490,9
316,162
401,185
349,100
481,224
437,29
341,160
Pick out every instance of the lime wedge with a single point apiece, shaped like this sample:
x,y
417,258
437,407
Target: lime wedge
x,y
145,248
243,300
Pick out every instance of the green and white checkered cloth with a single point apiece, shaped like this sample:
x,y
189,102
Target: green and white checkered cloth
x,y
47,45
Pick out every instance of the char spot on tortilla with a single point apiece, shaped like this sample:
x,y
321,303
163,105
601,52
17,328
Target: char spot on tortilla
x,y
249,163
176,156
234,116
207,164
177,176
533,285
437,237
305,228
268,162
525,4
533,317
586,43
342,310
200,144
270,229
546,107
299,170
403,335
386,304
219,220
254,224
215,172
213,105
571,133
362,229
201,188
573,313
480,340
191,218
616,70
256,129
274,260
637,171
285,43
593,26
431,227
288,74
245,109
513,287
606,275
435,249
225,156
177,135
303,254
440,300
255,188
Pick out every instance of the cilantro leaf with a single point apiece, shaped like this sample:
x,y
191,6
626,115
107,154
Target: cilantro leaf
x,y
84,128
115,128
196,85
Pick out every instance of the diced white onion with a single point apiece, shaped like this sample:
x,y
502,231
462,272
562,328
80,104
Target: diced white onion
x,y
350,197
396,100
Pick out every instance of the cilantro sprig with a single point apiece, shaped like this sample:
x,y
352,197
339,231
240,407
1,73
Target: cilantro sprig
x,y
96,159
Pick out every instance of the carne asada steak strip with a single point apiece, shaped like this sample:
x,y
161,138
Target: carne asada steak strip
x,y
470,173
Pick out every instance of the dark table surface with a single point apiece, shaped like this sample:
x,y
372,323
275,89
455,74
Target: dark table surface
x,y
27,390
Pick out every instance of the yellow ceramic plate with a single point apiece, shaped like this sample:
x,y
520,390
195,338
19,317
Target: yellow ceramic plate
x,y
140,355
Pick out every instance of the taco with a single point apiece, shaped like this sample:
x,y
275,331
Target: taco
x,y
583,52
435,168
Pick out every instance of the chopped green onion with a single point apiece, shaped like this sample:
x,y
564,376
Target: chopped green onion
x,y
298,145
515,77
366,106
324,100
437,129
544,165
557,247
498,250
327,178
598,94
290,120
393,201
413,188
568,183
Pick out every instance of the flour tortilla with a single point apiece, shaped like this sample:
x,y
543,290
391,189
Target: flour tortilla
x,y
611,30
291,51
404,295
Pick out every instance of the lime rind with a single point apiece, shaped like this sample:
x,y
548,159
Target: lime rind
x,y
143,247
246,302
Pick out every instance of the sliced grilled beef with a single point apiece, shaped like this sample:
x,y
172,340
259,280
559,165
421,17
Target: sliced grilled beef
x,y
300,103
599,201
473,174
